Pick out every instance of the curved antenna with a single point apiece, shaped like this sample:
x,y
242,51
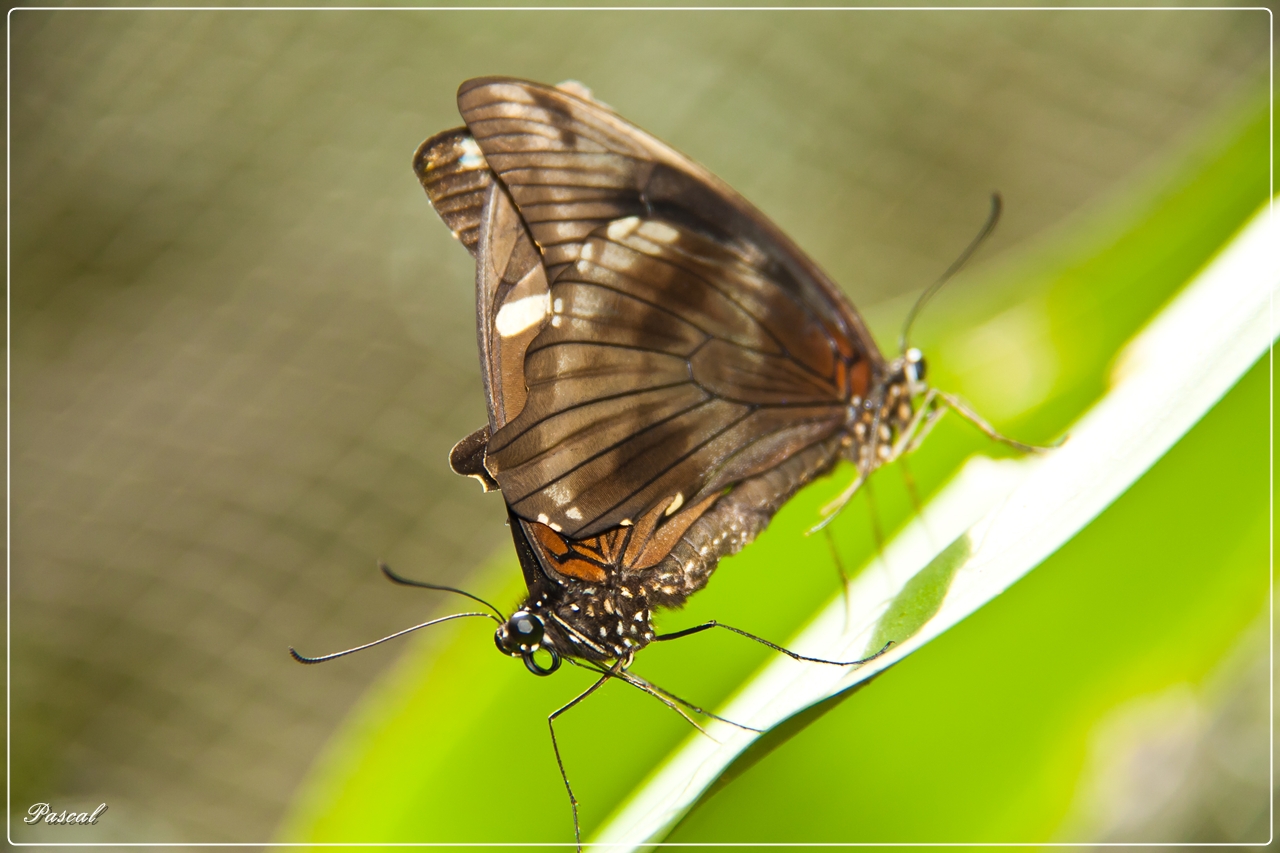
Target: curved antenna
x,y
395,578
304,659
997,204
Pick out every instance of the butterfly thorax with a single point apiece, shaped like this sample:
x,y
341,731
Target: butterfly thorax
x,y
603,622
877,422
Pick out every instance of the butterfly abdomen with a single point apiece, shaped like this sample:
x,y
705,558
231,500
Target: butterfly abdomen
x,y
738,517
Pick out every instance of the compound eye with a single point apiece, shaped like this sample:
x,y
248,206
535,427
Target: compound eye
x,y
915,365
524,630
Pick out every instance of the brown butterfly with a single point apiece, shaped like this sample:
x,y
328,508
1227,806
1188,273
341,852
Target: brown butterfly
x,y
664,368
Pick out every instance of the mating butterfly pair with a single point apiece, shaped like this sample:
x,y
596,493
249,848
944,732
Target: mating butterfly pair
x,y
663,367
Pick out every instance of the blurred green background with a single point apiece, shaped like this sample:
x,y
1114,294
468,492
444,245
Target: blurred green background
x,y
242,345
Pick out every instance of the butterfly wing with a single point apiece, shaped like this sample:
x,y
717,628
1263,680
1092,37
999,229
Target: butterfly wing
x,y
670,369
572,166
690,345
511,283
512,303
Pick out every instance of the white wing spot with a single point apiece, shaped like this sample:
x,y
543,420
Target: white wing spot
x,y
557,528
520,314
542,518
620,229
472,157
557,306
574,513
559,493
676,503
659,232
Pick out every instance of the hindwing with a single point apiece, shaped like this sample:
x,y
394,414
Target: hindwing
x,y
511,282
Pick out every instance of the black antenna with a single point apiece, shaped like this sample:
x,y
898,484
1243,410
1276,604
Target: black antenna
x,y
304,659
392,576
997,204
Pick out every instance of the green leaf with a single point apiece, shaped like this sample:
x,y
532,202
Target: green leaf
x,y
1167,379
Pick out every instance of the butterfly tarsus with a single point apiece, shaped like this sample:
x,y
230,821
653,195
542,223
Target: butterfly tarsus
x,y
962,409
660,692
844,576
661,695
706,626
555,746
832,509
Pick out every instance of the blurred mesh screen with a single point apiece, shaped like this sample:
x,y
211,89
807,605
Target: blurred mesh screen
x,y
242,344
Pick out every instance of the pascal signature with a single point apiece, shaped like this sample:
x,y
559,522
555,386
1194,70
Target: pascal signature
x,y
44,812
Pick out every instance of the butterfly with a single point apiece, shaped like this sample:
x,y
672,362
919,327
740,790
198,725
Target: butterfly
x,y
663,369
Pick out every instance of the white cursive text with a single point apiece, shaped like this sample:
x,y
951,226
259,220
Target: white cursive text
x,y
43,811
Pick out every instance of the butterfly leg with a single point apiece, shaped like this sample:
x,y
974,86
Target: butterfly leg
x,y
922,422
963,410
832,509
663,696
668,698
844,576
877,530
913,493
551,724
706,626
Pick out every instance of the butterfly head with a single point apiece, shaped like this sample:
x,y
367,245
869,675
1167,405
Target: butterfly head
x,y
913,371
524,634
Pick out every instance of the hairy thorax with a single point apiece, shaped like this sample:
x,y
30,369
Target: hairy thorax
x,y
600,621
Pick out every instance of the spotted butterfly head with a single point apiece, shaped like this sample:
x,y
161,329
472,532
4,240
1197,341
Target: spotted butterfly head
x,y
522,635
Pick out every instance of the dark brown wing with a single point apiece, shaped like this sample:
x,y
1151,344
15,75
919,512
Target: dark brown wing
x,y
572,165
670,369
511,283
454,173
691,344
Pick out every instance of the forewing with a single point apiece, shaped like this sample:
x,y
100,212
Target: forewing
x,y
572,166
670,369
